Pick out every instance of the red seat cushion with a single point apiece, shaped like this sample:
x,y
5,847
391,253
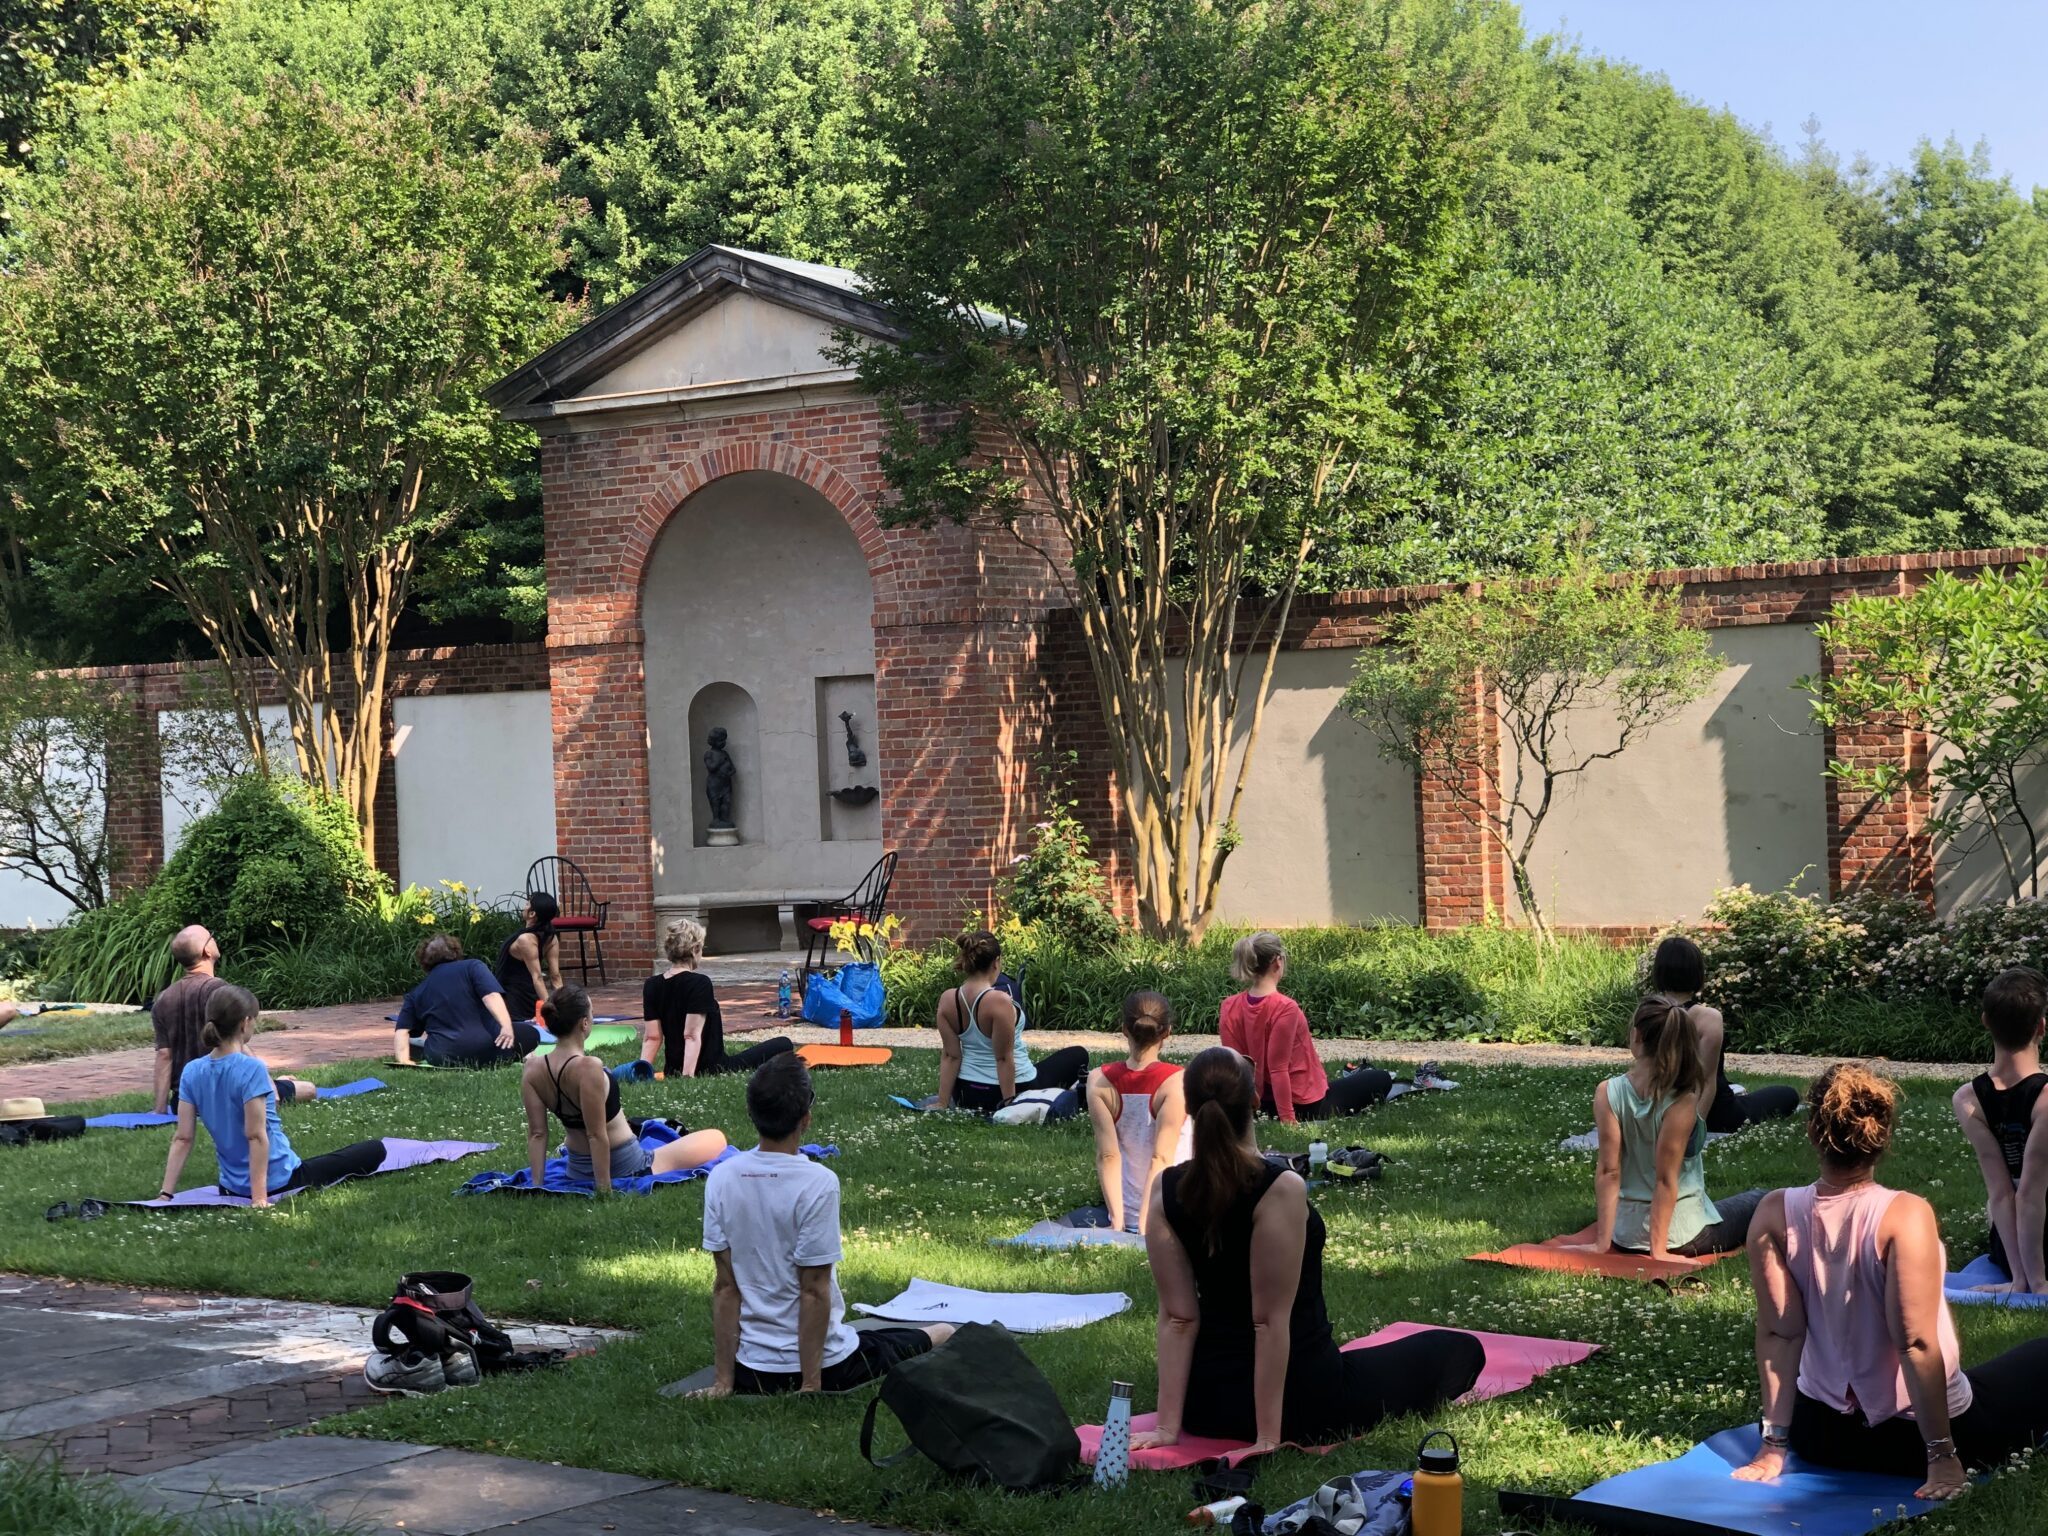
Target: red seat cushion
x,y
575,922
821,924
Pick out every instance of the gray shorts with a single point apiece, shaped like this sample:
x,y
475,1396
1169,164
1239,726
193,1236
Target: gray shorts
x,y
630,1160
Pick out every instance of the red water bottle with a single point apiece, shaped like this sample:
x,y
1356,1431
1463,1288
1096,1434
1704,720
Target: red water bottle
x,y
846,1026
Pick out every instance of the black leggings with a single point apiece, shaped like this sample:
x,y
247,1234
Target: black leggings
x,y
880,1350
741,1061
351,1162
1354,1091
1334,1400
525,1041
1731,1111
1731,1232
1062,1069
2009,1414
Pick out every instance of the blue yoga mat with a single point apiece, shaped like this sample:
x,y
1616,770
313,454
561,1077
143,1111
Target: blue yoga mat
x,y
1961,1287
916,1106
555,1180
1698,1493
137,1120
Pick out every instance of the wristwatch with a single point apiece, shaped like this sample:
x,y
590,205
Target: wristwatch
x,y
1777,1437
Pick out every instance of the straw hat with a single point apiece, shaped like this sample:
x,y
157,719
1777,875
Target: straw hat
x,y
22,1109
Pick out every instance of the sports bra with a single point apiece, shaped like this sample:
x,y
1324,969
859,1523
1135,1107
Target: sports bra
x,y
572,1119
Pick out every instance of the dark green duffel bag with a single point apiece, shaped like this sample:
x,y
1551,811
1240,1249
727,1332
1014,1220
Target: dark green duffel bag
x,y
979,1409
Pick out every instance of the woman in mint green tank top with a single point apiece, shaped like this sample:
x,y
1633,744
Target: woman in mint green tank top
x,y
1651,1182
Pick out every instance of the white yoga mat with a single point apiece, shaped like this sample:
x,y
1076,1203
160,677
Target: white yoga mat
x,y
1019,1311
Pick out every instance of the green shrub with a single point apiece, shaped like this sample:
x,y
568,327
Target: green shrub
x,y
119,953
1387,982
1056,885
363,953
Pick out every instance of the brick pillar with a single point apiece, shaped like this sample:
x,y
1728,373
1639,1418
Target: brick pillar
x,y
1461,876
599,695
1878,843
135,792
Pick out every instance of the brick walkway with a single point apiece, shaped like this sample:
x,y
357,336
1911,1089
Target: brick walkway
x,y
319,1037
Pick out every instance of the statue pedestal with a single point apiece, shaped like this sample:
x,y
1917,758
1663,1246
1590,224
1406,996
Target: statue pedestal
x,y
722,837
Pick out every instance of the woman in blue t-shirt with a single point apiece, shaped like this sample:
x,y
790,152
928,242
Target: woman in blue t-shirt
x,y
457,1015
231,1091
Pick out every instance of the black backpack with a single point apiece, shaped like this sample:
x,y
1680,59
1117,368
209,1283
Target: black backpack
x,y
979,1409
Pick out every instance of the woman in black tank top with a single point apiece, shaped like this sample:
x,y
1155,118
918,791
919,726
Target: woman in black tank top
x,y
1235,1244
573,1086
529,963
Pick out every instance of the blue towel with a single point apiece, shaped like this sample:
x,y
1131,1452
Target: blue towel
x,y
135,1120
555,1180
1961,1287
1698,1492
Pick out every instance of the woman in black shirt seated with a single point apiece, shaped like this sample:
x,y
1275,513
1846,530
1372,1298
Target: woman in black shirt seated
x,y
683,1023
1245,1348
573,1086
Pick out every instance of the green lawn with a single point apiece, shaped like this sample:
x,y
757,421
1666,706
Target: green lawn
x,y
1473,1169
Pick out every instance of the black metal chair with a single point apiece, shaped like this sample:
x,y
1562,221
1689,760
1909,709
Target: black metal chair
x,y
581,912
865,905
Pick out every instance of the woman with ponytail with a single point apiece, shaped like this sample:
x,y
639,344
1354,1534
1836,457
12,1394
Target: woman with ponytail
x,y
982,1060
1677,973
574,1085
1651,1181
231,1092
1855,1348
1245,1347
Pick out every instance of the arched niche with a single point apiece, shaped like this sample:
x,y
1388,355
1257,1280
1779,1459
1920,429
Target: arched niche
x,y
731,707
757,590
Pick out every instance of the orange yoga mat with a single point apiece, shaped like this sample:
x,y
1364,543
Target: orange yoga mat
x,y
1554,1254
817,1055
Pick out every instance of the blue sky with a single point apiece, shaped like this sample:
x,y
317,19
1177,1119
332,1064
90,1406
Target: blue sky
x,y
1879,74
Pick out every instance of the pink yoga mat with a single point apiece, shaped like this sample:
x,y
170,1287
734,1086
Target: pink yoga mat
x,y
1512,1362
1555,1254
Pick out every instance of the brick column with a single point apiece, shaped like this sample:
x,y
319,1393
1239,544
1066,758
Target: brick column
x,y
135,791
599,696
1877,843
1461,876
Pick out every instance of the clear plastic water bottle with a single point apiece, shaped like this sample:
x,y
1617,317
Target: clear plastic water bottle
x,y
1113,1457
1318,1155
782,997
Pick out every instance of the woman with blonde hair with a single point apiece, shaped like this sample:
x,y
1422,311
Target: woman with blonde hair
x,y
683,1024
1269,1030
1855,1348
574,1086
1651,1180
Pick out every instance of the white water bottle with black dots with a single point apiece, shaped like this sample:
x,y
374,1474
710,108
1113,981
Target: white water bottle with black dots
x,y
1113,1456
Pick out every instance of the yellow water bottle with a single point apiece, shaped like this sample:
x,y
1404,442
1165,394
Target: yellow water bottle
x,y
1439,1505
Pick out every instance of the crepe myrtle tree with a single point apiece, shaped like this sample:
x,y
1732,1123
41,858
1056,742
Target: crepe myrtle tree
x,y
1166,273
1966,663
1574,671
249,353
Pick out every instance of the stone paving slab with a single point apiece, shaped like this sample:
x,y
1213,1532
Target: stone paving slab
x,y
249,1471
674,1510
455,1493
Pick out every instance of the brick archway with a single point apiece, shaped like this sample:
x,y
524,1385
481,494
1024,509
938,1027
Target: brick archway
x,y
662,503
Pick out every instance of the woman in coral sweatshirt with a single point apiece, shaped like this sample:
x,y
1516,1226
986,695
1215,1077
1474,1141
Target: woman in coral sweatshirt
x,y
1269,1029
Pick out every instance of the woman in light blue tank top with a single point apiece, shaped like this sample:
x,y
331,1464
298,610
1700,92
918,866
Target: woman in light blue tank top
x,y
983,1063
1651,1181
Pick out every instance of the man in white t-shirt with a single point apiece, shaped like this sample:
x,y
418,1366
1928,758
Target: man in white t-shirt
x,y
771,1223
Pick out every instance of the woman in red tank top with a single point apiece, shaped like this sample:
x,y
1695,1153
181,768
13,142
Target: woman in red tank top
x,y
1139,1114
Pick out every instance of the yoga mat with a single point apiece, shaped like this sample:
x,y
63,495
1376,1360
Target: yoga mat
x,y
399,1153
1087,1227
697,1381
601,1037
1961,1287
915,1106
1697,1493
1589,1141
817,1055
555,1180
924,1301
1552,1254
547,1038
1512,1362
143,1119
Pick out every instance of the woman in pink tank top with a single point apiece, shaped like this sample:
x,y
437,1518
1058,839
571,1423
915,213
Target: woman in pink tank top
x,y
1856,1350
1139,1113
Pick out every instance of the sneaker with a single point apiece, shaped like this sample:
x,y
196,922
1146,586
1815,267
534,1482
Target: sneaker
x,y
408,1375
459,1367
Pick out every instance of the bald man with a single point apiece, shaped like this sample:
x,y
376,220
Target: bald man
x,y
179,1012
9,1012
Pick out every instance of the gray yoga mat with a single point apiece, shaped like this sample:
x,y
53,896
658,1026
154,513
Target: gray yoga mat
x,y
697,1381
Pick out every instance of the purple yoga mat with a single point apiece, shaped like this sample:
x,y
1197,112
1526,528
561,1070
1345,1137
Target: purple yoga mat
x,y
398,1153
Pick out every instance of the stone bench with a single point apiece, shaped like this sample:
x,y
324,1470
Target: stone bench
x,y
701,904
